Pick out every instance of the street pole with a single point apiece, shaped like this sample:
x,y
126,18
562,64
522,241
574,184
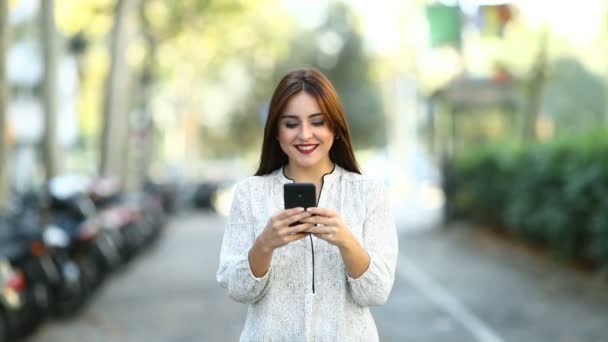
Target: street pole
x,y
49,50
535,89
4,27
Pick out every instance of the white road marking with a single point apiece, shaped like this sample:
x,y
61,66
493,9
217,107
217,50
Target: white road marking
x,y
447,302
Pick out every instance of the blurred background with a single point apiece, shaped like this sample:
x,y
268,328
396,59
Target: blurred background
x,y
124,125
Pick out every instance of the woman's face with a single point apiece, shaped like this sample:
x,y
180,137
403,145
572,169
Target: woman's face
x,y
304,134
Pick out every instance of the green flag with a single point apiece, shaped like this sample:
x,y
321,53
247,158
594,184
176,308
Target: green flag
x,y
444,24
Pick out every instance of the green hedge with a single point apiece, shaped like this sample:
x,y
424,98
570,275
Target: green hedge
x,y
553,193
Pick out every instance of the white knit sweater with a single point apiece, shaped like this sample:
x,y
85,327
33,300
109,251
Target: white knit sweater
x,y
282,306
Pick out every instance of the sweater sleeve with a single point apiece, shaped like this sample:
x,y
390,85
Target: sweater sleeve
x,y
380,240
234,272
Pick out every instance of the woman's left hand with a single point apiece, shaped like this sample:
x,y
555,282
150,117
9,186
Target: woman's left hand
x,y
330,226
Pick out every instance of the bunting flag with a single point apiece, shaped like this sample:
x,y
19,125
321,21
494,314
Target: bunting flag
x,y
493,19
444,25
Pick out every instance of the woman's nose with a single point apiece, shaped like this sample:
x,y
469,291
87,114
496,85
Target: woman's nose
x,y
305,132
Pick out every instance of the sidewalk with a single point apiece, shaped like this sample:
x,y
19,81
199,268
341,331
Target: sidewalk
x,y
499,293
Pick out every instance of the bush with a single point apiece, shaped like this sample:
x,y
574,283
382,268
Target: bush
x,y
554,193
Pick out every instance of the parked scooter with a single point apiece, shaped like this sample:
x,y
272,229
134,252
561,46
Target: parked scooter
x,y
25,296
119,221
12,298
71,233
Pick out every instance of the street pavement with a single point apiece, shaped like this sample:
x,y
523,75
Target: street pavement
x,y
515,293
453,284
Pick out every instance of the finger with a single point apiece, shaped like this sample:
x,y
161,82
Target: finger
x,y
296,237
329,238
326,237
304,227
322,211
326,221
295,218
281,215
321,230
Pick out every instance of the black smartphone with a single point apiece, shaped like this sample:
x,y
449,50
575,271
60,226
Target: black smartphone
x,y
299,195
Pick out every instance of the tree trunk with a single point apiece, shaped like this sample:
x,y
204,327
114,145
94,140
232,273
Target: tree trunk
x,y
145,126
535,90
3,103
114,147
49,50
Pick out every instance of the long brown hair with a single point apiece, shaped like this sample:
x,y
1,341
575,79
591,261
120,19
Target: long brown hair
x,y
314,83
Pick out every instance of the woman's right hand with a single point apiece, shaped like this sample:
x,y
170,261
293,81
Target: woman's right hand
x,y
278,233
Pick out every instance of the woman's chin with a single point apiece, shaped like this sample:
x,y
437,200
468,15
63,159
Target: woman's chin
x,y
305,162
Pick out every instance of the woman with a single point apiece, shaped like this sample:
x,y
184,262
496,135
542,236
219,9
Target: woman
x,y
320,288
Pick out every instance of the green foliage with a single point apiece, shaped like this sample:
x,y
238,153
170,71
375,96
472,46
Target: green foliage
x,y
574,96
554,193
204,44
348,69
483,177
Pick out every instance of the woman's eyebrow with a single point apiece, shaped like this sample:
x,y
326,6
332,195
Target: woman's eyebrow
x,y
292,116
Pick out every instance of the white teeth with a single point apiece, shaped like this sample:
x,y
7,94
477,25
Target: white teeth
x,y
306,148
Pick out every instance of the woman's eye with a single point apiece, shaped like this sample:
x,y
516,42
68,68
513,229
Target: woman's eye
x,y
318,123
291,125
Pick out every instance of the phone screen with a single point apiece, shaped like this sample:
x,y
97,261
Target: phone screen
x,y
299,195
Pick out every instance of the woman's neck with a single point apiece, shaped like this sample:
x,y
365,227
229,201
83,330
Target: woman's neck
x,y
308,175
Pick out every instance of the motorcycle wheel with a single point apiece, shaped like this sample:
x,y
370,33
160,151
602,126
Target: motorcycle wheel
x,y
4,329
67,301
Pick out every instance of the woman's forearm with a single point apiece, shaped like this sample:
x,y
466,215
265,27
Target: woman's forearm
x,y
355,257
259,259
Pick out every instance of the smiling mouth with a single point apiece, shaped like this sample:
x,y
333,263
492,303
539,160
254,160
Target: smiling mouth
x,y
306,149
